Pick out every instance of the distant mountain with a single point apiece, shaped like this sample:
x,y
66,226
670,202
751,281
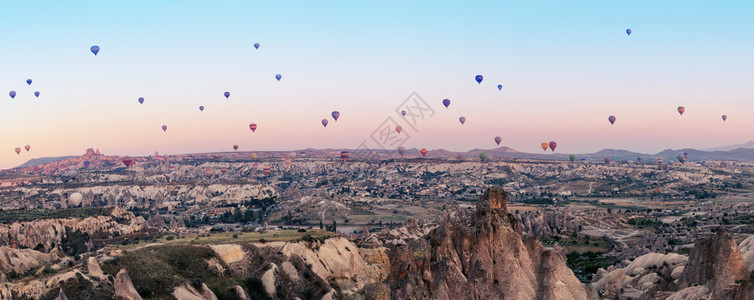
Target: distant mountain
x,y
43,160
749,145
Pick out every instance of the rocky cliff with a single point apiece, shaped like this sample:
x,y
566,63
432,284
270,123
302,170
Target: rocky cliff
x,y
481,255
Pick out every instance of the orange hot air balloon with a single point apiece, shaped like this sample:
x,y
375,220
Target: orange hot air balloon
x,y
18,150
398,129
681,110
164,128
402,151
544,145
553,145
424,152
235,147
287,161
253,127
253,156
27,147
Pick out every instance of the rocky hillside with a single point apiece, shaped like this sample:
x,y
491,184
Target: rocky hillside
x,y
481,255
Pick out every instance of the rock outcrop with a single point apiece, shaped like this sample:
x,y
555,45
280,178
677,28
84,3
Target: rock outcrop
x,y
124,288
21,260
188,291
718,264
481,255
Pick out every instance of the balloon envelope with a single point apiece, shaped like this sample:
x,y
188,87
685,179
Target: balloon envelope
x,y
344,155
681,158
324,122
544,145
725,118
398,129
681,110
27,147
335,115
94,49
446,102
87,163
462,120
611,119
36,94
18,150
403,112
256,45
141,100
235,147
572,157
12,94
483,156
499,87
278,77
227,94
628,31
607,160
479,79
164,128
498,140
424,152
253,127
201,108
75,199
128,161
402,150
28,81
552,145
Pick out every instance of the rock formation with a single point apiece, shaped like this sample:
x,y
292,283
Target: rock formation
x,y
124,288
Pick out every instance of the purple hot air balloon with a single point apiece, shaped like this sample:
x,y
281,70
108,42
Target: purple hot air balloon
x,y
628,31
87,163
335,115
462,120
446,102
611,119
256,45
498,140
28,81
141,100
12,94
201,108
164,128
36,94
479,79
278,77
227,94
94,49
725,118
324,122
403,113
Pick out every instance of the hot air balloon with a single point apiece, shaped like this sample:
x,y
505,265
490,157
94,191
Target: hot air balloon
x,y
611,119
287,161
141,100
27,147
638,159
267,171
483,156
324,122
686,155
398,129
18,150
479,79
681,158
75,199
499,87
28,81
402,151
628,31
344,155
12,94
253,127
227,95
572,157
607,160
335,115
235,147
87,163
223,170
552,145
127,161
462,120
253,156
544,145
681,109
36,94
424,152
725,118
659,160
498,140
446,102
278,77
201,108
94,49
403,113
256,45
164,128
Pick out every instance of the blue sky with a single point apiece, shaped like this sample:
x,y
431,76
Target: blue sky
x,y
564,66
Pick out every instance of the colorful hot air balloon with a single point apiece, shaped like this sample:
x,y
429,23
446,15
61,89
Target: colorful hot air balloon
x,y
18,150
681,158
127,161
725,118
253,127
344,155
499,87
628,31
94,49
681,110
27,147
335,115
403,113
141,100
398,129
201,108
28,81
424,152
659,160
401,151
446,102
253,156
12,94
686,155
36,94
235,147
256,45
544,145
611,119
462,120
607,160
572,157
552,145
483,156
498,140
324,122
278,77
267,171
638,159
287,161
227,95
164,128
479,79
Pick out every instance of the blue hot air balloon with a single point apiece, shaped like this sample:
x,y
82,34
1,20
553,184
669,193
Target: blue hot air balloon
x,y
479,79
227,94
278,77
446,102
628,31
95,49
12,94
28,81
499,87
256,45
36,94
403,113
141,100
201,108
87,163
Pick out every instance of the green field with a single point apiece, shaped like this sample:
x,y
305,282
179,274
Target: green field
x,y
23,215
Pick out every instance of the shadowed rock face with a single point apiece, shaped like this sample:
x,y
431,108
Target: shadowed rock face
x,y
481,255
